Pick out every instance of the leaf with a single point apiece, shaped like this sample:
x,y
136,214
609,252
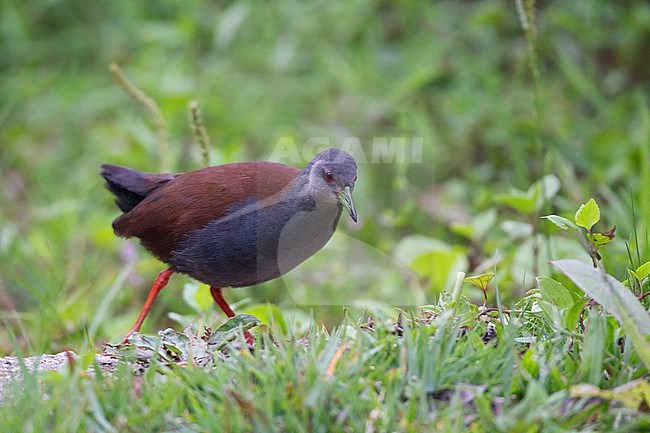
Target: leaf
x,y
197,296
635,394
441,266
643,271
483,222
529,362
517,229
245,321
598,239
554,292
462,229
411,247
615,298
561,222
230,329
480,281
572,316
530,201
548,187
268,313
594,348
478,227
588,214
203,298
551,312
640,274
610,233
431,259
523,202
174,344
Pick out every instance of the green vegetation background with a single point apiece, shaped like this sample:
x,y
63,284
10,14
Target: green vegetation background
x,y
457,74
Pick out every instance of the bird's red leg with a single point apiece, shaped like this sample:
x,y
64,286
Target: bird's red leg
x,y
161,281
221,302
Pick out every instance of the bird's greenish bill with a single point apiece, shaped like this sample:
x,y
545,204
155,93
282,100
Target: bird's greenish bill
x,y
346,198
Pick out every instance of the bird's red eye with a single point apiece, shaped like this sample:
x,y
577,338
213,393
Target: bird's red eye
x,y
328,176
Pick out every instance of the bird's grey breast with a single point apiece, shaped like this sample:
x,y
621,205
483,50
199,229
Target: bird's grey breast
x,y
305,233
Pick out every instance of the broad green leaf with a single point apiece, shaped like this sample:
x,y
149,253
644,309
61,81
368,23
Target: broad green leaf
x,y
480,281
231,328
245,321
554,292
561,222
615,298
588,214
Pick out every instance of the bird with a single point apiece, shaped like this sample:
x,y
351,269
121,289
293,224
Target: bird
x,y
232,225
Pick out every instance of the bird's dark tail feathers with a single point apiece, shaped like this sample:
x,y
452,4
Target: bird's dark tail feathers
x,y
131,186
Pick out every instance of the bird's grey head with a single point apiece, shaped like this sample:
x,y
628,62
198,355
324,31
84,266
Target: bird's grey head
x,y
332,174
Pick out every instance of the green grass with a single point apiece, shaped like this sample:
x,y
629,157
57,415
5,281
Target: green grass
x,y
497,107
428,374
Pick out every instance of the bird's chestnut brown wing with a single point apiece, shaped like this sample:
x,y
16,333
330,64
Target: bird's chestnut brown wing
x,y
191,200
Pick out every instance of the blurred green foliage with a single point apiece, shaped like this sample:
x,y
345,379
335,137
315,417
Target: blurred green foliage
x,y
455,74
